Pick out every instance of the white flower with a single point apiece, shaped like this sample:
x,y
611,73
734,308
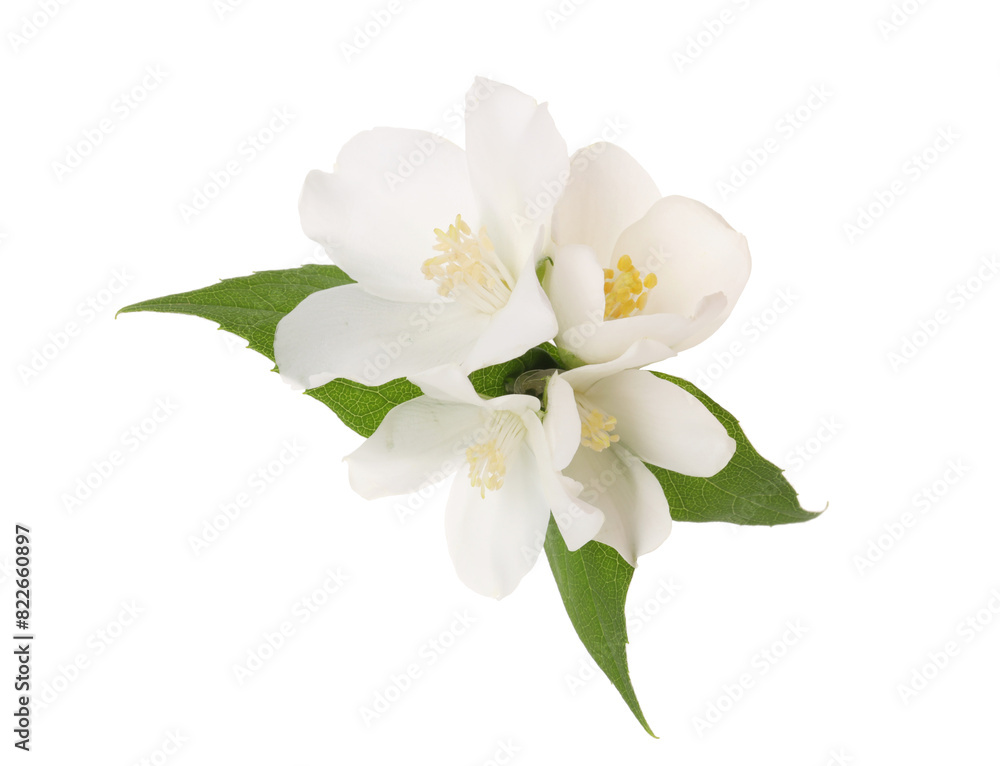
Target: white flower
x,y
441,242
628,417
506,483
631,265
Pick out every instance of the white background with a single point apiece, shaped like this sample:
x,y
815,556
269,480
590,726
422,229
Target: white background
x,y
872,435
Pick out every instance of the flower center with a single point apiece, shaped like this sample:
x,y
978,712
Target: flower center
x,y
597,426
468,268
488,457
626,291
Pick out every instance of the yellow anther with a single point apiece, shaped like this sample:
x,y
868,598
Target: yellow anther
x,y
468,268
596,429
487,466
487,458
626,291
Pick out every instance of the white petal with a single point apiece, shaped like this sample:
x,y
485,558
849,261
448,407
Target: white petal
x,y
344,332
525,321
518,165
663,424
694,253
607,191
377,224
519,404
448,384
636,514
562,421
575,284
639,354
608,340
419,443
495,540
578,521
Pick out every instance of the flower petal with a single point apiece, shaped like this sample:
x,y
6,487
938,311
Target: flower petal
x,y
376,212
525,321
495,540
518,164
343,332
577,520
636,515
575,284
608,340
562,421
694,253
663,424
448,384
639,354
607,191
419,443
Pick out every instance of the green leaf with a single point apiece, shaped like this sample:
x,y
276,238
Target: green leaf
x,y
565,360
361,407
250,306
749,490
593,582
495,381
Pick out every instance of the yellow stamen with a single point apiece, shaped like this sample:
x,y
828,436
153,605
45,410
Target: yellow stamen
x,y
468,268
597,426
488,457
626,291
